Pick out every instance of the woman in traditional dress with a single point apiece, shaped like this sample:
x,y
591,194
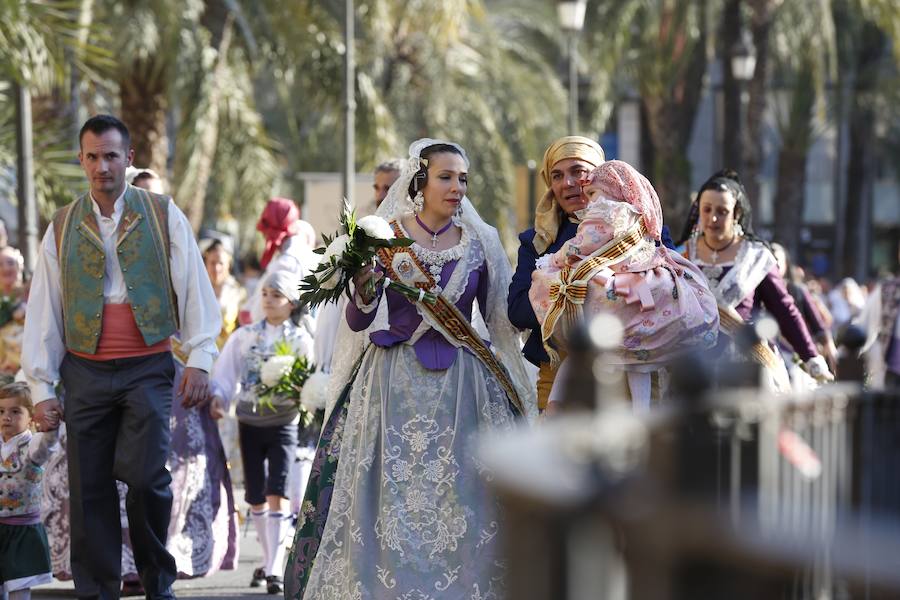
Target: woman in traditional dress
x,y
396,505
218,256
289,247
742,271
203,527
815,322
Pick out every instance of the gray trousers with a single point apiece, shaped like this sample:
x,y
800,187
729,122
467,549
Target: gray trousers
x,y
117,419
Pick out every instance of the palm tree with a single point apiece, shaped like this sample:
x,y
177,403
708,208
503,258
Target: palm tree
x,y
762,18
866,84
804,56
660,48
41,45
177,67
452,69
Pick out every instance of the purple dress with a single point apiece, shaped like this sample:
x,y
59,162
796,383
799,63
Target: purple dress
x,y
772,295
432,350
752,282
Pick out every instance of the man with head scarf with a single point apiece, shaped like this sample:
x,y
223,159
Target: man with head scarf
x,y
567,162
289,246
615,265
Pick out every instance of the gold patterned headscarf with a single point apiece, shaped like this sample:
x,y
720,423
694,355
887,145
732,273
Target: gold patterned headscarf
x,y
547,217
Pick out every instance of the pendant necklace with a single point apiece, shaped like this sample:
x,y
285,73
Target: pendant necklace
x,y
715,251
434,234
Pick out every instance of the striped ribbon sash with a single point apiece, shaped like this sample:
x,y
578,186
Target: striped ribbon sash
x,y
569,291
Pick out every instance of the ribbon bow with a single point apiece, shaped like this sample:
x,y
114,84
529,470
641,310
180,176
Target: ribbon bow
x,y
569,292
574,291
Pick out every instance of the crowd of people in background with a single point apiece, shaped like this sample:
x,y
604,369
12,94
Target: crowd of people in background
x,y
222,442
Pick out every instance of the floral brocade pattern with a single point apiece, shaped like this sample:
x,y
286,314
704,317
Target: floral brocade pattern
x,y
20,479
142,239
411,516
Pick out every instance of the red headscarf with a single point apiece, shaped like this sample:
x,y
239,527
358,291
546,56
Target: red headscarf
x,y
279,221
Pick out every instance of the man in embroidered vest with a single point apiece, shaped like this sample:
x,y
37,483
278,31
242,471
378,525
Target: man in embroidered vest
x,y
118,273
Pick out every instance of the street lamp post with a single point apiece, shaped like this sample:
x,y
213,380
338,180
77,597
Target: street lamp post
x,y
349,170
743,64
571,19
28,217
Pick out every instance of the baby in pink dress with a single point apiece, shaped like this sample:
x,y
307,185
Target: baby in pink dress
x,y
613,265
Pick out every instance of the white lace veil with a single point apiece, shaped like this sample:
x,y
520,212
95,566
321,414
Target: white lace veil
x,y
504,338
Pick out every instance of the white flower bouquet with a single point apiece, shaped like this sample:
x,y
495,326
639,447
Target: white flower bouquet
x,y
351,249
284,375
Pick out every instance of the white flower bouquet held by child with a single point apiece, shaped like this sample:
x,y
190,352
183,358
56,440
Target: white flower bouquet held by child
x,y
314,394
350,250
284,375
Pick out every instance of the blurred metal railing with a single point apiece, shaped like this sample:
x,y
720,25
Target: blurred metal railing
x,y
725,494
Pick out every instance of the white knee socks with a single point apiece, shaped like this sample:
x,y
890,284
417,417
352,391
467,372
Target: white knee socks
x,y
262,532
277,526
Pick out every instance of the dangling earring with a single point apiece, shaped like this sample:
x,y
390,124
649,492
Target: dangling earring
x,y
418,202
695,230
738,230
459,211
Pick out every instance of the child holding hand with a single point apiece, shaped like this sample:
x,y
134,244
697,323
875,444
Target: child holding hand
x,y
24,552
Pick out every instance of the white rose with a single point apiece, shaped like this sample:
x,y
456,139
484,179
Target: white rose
x,y
314,393
337,247
333,281
275,368
376,227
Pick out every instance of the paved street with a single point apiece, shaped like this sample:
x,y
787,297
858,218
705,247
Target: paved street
x,y
224,584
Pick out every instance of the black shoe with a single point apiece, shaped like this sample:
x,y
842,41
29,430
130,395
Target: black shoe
x,y
259,577
132,588
274,584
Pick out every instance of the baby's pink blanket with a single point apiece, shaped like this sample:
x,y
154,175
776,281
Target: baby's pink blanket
x,y
661,298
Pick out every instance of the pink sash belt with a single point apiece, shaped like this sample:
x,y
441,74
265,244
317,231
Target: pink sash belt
x,y
120,336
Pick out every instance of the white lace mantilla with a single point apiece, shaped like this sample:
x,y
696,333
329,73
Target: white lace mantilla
x,y
751,264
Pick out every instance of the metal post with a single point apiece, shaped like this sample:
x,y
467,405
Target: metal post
x,y
741,126
573,82
847,82
28,234
532,191
349,171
